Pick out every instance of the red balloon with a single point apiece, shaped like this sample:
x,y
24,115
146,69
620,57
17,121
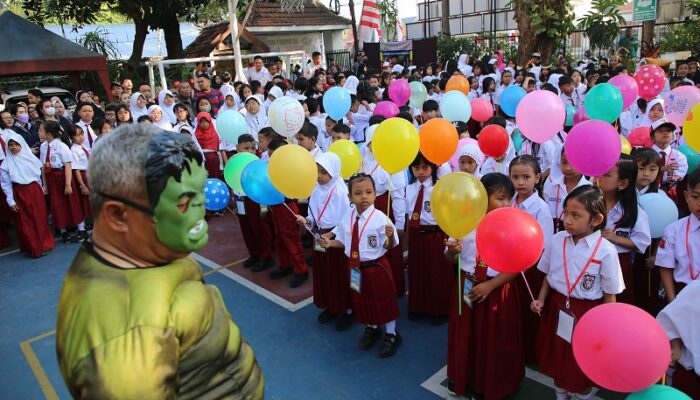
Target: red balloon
x,y
481,110
640,137
510,250
651,80
493,141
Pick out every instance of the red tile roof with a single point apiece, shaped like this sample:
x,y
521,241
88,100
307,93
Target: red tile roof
x,y
268,14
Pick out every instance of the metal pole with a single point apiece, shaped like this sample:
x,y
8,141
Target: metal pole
x,y
163,81
151,76
235,42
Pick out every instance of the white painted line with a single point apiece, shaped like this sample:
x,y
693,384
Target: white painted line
x,y
9,252
253,287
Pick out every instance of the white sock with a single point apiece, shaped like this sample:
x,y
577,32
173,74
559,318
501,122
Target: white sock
x,y
390,327
562,394
62,231
372,326
348,311
584,396
81,226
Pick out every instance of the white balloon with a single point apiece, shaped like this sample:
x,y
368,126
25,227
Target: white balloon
x,y
286,116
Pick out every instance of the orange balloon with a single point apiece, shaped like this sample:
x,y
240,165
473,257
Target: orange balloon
x,y
438,140
458,82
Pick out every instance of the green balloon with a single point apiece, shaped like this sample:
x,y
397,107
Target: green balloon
x,y
692,156
518,139
604,102
659,392
570,112
234,168
418,94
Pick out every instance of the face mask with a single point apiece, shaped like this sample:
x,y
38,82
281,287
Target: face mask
x,y
205,108
23,118
50,111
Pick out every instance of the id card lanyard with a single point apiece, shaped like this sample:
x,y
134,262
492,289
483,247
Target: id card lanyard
x,y
693,275
359,234
569,287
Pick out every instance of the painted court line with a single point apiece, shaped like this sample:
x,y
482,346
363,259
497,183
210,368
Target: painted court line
x,y
7,253
35,365
252,286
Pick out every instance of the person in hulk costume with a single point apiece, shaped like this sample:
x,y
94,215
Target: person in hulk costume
x,y
135,319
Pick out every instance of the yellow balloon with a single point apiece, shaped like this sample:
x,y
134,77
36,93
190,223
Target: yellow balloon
x,y
395,144
691,128
293,171
626,146
349,154
458,201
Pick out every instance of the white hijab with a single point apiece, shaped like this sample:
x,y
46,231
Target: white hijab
x,y
472,150
463,65
351,84
339,202
227,90
168,112
163,123
137,111
646,121
257,121
23,168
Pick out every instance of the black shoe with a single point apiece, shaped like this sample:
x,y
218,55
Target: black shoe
x,y
250,261
412,316
344,322
391,344
451,388
262,265
65,237
438,319
298,280
80,237
369,337
325,317
280,273
310,260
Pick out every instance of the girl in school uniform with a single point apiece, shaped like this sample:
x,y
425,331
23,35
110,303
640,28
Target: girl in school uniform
x,y
582,271
627,224
81,155
561,181
366,233
484,342
488,91
327,205
209,140
543,153
469,160
159,120
20,178
430,276
138,106
256,116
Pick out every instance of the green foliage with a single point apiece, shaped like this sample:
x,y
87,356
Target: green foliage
x,y
215,11
389,16
601,24
553,22
452,47
685,36
98,42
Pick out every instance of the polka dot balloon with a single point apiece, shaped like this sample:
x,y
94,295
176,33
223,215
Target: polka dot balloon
x,y
651,80
216,195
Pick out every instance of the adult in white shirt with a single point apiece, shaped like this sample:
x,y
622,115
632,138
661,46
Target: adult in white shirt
x,y
316,64
258,72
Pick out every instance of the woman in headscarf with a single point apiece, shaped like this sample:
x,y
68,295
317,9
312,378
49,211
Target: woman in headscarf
x,y
166,101
351,84
138,106
208,140
463,65
158,118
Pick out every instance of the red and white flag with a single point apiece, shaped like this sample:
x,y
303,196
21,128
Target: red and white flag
x,y
369,22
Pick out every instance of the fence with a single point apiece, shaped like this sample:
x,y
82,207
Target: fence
x,y
341,58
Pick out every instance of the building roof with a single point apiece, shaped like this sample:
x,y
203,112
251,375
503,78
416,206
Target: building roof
x,y
315,14
218,37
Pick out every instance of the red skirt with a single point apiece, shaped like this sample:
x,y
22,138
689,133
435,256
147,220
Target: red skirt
x,y
33,232
5,220
84,198
255,231
627,295
430,275
331,281
686,381
647,282
555,355
288,241
212,164
395,254
65,208
531,321
484,344
377,303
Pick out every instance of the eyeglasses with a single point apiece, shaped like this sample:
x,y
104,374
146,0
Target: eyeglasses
x,y
146,210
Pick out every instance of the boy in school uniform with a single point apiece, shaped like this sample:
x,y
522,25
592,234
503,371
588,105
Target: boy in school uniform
x,y
307,137
340,131
674,164
86,113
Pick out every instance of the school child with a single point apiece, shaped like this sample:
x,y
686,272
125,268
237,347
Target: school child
x,y
654,111
255,116
290,252
502,163
582,271
543,153
359,117
484,343
328,204
101,127
679,249
156,114
57,175
81,155
86,112
569,96
488,91
265,136
506,79
474,92
209,141
563,179
462,129
431,110
470,159
20,178
319,120
674,164
366,233
339,132
306,138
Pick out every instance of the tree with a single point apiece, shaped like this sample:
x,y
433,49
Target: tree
x,y
542,24
389,16
685,36
601,24
445,17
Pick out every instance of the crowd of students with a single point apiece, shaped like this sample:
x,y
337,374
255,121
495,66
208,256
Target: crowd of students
x,y
598,246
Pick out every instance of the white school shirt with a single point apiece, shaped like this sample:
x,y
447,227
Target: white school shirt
x,y
324,139
329,207
645,189
544,155
80,157
555,193
60,153
315,152
679,321
473,94
360,122
602,276
263,76
88,131
468,255
370,228
444,169
573,100
639,233
499,91
673,155
491,165
673,253
539,210
426,215
381,184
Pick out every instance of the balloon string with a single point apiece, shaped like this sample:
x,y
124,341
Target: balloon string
x,y
295,214
529,290
388,207
663,379
459,282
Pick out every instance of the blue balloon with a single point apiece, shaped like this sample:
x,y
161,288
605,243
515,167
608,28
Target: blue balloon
x,y
455,106
659,392
257,185
336,103
231,124
510,98
662,212
216,195
570,112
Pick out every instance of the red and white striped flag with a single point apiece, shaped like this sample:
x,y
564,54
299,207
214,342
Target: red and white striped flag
x,y
369,22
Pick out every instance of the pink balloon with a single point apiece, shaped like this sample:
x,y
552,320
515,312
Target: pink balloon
x,y
629,88
678,103
651,80
482,110
640,137
580,116
399,91
540,115
454,161
621,347
587,136
386,109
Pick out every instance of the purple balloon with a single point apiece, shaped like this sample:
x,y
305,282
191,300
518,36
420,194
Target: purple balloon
x,y
580,116
629,88
587,136
386,109
399,91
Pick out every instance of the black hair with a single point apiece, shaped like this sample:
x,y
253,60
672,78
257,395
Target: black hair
x,y
125,107
114,84
353,99
497,120
487,82
276,144
240,90
647,156
82,104
405,115
592,199
53,128
365,92
565,80
97,124
421,158
430,105
111,107
550,87
376,119
246,138
495,182
526,159
315,54
309,130
144,118
168,156
258,58
149,85
341,128
359,177
269,85
254,86
627,169
300,85
642,104
283,86
693,179
461,127
312,105
36,93
443,84
269,133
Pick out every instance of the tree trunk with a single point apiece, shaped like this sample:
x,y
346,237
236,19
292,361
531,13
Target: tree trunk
x,y
446,17
527,42
173,40
648,31
139,41
355,41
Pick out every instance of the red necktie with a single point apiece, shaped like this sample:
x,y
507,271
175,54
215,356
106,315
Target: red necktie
x,y
89,134
354,261
87,153
415,217
480,270
660,178
48,155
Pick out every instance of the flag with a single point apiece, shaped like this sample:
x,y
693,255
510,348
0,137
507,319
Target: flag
x,y
369,22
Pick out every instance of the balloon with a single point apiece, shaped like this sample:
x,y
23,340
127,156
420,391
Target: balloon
x,y
678,103
628,87
349,154
510,98
603,102
454,161
540,115
518,139
395,144
234,169
286,116
692,156
662,212
585,137
580,116
651,80
386,109
336,103
621,347
418,94
399,91
454,106
216,195
570,112
493,140
659,392
640,137
438,140
231,124
459,83
256,184
691,128
482,110
509,250
626,147
293,171
458,202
